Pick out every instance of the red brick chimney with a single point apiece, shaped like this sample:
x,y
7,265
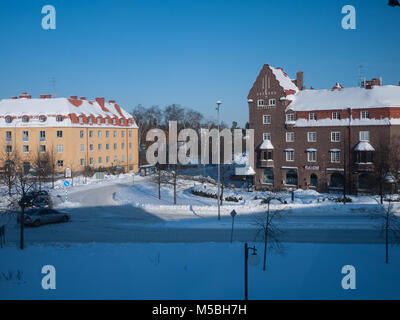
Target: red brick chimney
x,y
17,97
100,101
45,96
74,97
83,98
111,101
25,95
299,80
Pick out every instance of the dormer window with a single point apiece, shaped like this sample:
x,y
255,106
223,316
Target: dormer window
x,y
313,116
364,114
8,119
106,120
25,119
80,119
90,120
336,115
290,117
121,121
260,103
114,121
42,118
59,118
98,120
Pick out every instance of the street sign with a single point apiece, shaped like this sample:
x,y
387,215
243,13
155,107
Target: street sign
x,y
66,183
68,173
233,213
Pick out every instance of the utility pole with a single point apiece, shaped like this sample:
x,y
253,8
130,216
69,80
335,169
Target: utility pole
x,y
219,155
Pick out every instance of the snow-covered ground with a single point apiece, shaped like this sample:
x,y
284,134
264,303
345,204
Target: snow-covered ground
x,y
197,271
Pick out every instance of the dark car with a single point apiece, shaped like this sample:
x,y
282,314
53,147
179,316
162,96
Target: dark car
x,y
38,216
36,199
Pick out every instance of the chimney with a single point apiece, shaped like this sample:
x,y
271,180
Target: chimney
x,y
111,101
100,101
299,80
74,97
25,95
17,97
83,98
45,96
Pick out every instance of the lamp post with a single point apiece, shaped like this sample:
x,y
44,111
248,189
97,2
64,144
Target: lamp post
x,y
218,164
254,259
389,180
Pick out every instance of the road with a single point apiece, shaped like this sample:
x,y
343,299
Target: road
x,y
101,219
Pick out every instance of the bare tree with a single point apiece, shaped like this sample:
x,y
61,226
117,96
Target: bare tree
x,y
381,167
52,163
8,170
391,226
269,230
41,166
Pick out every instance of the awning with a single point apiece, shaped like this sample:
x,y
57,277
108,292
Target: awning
x,y
311,150
334,150
364,146
288,150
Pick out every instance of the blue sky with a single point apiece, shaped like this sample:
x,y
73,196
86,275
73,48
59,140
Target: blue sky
x,y
191,52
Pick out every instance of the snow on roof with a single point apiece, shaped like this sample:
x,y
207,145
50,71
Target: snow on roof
x,y
266,145
244,171
356,98
364,146
285,82
60,106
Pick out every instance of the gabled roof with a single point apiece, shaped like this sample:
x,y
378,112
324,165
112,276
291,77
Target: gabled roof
x,y
364,146
355,98
266,145
285,82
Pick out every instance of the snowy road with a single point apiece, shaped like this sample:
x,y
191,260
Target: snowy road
x,y
101,219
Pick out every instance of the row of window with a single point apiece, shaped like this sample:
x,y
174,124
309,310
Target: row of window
x,y
42,134
60,163
290,117
271,103
26,119
311,155
312,136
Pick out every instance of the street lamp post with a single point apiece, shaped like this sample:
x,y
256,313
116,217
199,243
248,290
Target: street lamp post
x,y
254,259
218,164
390,180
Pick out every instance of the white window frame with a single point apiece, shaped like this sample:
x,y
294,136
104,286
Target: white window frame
x,y
289,155
310,134
272,102
334,135
312,116
60,163
312,156
335,156
60,148
364,114
290,117
362,135
336,115
290,136
266,119
260,103
267,136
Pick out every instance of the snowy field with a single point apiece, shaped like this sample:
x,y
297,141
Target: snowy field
x,y
197,271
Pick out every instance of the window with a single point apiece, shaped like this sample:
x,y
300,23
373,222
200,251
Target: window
x,y
82,162
289,155
121,121
107,134
266,119
260,103
42,135
107,146
115,158
25,149
130,145
115,146
91,134
272,102
122,134
312,116
114,121
59,134
42,149
123,158
91,147
336,115
267,136
266,155
115,134
311,155
59,118
82,147
8,149
335,136
107,159
81,134
290,117
42,118
8,136
98,120
60,148
130,133
289,136
99,146
91,161
100,160
364,114
90,120
335,156
25,119
364,135
311,136
364,157
106,120
130,157
8,119
99,134
122,146
80,119
25,136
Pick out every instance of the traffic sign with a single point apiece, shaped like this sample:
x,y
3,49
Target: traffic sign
x,y
233,213
66,183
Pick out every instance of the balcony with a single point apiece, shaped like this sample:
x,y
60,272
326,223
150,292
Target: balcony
x,y
265,163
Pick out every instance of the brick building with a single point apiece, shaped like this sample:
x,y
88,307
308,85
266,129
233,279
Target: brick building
x,y
79,132
313,138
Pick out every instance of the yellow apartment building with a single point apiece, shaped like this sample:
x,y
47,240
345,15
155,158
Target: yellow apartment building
x,y
77,132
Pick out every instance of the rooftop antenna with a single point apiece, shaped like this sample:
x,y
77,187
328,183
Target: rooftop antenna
x,y
360,76
53,85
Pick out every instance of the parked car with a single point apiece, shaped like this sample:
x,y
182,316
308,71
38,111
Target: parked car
x,y
38,216
36,199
